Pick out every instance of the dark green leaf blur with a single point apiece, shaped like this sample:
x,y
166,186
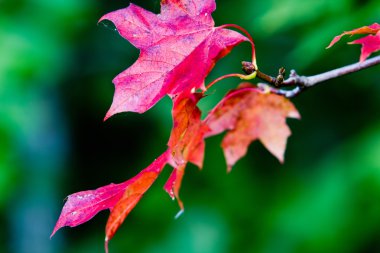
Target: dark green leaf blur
x,y
56,68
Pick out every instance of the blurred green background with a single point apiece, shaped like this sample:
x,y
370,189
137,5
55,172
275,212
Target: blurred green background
x,y
56,67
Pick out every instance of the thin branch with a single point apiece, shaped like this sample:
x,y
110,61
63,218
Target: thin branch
x,y
303,82
309,81
286,93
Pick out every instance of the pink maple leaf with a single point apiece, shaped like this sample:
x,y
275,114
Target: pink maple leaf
x,y
186,143
82,206
178,48
370,43
248,115
121,198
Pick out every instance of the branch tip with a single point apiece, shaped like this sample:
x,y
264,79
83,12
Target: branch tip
x,y
301,83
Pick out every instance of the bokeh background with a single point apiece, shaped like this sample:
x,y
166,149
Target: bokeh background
x,y
56,67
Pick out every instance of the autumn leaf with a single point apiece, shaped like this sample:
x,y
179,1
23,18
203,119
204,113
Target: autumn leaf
x,y
372,29
248,114
173,184
370,43
178,48
186,143
119,198
82,206
136,187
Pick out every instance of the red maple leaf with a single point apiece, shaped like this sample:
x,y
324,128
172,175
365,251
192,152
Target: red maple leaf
x,y
119,198
82,206
136,187
186,143
370,43
248,114
178,48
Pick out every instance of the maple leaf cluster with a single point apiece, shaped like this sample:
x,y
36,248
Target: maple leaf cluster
x,y
178,49
370,43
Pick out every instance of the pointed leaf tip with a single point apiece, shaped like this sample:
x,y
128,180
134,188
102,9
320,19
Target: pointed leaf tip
x,y
173,184
83,206
169,185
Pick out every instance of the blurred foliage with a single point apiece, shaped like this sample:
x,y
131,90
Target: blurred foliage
x,y
56,69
